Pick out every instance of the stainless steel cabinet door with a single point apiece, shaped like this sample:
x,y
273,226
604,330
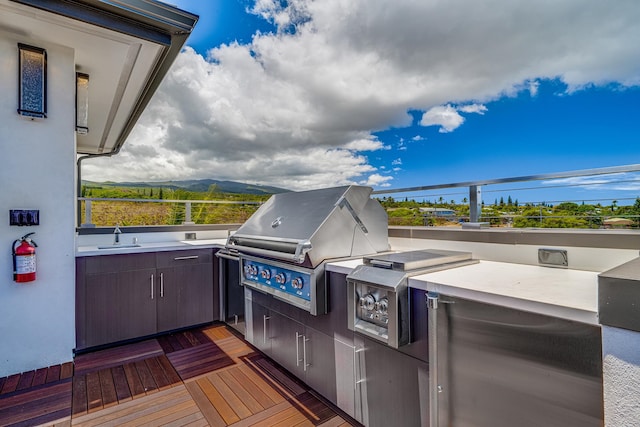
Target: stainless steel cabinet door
x,y
392,388
500,367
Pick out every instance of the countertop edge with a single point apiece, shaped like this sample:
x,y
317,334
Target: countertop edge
x,y
87,251
544,308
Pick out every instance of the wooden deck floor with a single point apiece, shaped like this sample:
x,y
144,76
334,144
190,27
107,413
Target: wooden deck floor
x,y
202,377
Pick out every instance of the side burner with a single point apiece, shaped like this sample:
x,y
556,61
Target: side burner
x,y
378,296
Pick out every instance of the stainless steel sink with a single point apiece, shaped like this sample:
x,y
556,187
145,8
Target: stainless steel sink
x,y
131,245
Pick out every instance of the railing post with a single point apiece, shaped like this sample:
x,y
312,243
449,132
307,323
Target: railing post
x,y
87,215
187,214
475,203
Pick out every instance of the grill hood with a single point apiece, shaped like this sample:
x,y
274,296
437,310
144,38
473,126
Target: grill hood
x,y
309,227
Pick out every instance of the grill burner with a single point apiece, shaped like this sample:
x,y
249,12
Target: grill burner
x,y
378,296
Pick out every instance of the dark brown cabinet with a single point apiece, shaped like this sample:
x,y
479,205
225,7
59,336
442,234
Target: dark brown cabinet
x,y
185,283
122,297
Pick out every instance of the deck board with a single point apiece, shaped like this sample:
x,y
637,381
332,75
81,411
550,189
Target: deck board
x,y
133,379
208,410
10,384
94,392
195,361
25,380
40,377
148,383
37,405
108,388
239,407
80,401
254,390
201,377
120,383
241,392
219,403
117,356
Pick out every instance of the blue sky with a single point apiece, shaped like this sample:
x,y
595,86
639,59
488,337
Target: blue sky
x,y
394,94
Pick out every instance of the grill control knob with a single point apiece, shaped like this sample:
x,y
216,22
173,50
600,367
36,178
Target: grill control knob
x,y
297,283
266,274
280,278
368,302
383,305
250,270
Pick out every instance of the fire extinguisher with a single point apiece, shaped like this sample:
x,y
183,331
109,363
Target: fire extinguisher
x,y
24,259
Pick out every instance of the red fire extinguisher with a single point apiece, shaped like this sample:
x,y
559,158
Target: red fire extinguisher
x,y
24,259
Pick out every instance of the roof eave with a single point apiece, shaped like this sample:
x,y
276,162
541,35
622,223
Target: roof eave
x,y
149,20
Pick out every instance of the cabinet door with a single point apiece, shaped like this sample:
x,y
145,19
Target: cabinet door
x,y
260,335
319,356
286,343
119,306
393,388
185,289
185,296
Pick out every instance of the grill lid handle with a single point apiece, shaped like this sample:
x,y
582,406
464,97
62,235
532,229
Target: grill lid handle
x,y
344,203
381,264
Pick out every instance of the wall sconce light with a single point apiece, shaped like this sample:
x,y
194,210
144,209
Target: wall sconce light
x,y
82,103
32,86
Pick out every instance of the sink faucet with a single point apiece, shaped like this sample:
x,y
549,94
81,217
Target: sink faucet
x,y
116,235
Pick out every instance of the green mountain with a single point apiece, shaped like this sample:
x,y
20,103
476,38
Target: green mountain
x,y
197,185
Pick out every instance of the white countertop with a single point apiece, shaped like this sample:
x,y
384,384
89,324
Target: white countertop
x,y
125,248
563,293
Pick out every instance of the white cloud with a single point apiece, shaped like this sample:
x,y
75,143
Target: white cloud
x,y
296,108
366,145
445,116
417,138
377,180
448,118
397,169
397,162
473,108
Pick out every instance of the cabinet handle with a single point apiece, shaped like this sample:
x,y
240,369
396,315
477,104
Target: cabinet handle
x,y
152,286
298,349
264,328
236,319
182,258
356,368
305,365
161,285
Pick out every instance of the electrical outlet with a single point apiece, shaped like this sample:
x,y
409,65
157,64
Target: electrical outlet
x,y
22,217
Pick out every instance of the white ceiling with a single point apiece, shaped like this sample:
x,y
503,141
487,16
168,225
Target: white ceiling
x,y
119,67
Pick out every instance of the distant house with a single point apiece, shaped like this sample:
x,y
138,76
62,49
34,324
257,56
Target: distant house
x,y
617,223
438,212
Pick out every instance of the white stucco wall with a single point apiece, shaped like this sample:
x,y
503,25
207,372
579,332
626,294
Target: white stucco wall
x,y
37,171
621,376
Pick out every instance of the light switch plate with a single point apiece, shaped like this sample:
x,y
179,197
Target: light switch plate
x,y
22,217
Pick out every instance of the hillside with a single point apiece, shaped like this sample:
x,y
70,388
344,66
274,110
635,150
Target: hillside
x,y
196,185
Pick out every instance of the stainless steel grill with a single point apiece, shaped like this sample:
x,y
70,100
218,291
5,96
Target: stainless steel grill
x,y
284,245
378,296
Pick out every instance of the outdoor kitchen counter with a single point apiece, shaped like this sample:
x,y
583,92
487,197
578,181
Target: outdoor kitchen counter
x,y
126,248
563,293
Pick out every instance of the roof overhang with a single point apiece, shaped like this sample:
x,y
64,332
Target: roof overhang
x,y
125,46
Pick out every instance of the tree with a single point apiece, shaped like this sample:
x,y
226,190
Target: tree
x,y
160,195
509,201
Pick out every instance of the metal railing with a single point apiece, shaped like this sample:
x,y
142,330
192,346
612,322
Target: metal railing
x,y
88,206
475,187
481,213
